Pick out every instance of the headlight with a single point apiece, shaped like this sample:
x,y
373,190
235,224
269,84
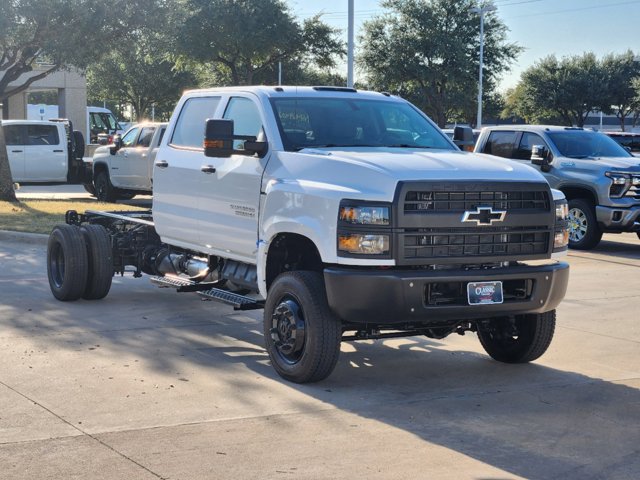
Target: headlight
x,y
562,210
617,178
561,239
364,215
621,182
561,231
363,244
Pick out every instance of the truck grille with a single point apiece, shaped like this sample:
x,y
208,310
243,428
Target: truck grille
x,y
633,192
446,243
424,201
432,226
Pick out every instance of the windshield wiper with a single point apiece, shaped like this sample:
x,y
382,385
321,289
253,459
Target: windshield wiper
x,y
405,145
332,145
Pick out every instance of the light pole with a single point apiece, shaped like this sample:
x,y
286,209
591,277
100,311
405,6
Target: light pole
x,y
481,10
350,45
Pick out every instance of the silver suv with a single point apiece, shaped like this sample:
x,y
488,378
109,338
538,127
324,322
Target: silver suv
x,y
600,179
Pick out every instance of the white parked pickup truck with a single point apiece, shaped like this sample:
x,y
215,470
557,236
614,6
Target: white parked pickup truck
x,y
45,152
345,215
124,169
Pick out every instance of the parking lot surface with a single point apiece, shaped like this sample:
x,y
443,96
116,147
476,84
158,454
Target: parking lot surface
x,y
149,384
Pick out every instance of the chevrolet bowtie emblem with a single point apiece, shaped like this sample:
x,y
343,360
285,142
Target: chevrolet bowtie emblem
x,y
484,216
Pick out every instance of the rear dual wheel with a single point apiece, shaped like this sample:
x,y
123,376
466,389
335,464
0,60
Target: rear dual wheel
x,y
79,262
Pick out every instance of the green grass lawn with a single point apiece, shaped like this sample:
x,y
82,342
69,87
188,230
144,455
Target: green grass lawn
x,y
40,216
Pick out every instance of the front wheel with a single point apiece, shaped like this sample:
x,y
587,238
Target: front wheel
x,y
584,231
90,189
125,195
105,192
302,335
518,339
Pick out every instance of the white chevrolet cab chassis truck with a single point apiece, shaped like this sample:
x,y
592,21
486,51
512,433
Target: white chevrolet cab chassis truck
x,y
344,215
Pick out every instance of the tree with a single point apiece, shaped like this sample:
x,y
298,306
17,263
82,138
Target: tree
x,y
427,51
519,103
568,89
57,34
620,70
141,74
246,38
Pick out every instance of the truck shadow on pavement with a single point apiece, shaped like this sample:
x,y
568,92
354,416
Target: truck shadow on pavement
x,y
614,247
531,420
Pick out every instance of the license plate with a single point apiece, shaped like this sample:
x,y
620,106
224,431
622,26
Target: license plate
x,y
482,293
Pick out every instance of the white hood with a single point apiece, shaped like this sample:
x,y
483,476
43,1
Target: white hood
x,y
376,171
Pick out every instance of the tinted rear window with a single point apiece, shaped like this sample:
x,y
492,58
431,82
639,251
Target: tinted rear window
x,y
43,135
501,144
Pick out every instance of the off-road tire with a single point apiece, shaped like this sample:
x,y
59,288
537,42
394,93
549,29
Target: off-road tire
x,y
67,262
105,191
522,341
301,296
100,256
584,231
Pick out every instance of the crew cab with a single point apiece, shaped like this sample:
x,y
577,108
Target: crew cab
x,y
45,152
344,215
600,178
124,168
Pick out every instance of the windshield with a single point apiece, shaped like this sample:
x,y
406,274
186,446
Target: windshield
x,y
586,144
104,121
348,122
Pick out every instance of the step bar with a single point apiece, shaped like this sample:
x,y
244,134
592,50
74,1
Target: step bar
x,y
207,290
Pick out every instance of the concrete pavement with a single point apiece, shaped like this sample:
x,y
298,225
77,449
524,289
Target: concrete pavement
x,y
149,383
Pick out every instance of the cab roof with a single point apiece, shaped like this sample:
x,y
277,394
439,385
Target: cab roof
x,y
297,91
539,128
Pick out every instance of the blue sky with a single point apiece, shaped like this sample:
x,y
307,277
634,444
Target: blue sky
x,y
542,27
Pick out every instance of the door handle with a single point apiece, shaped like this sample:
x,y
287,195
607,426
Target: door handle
x,y
58,151
208,169
162,164
16,151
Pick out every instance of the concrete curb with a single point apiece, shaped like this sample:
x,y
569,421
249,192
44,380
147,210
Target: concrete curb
x,y
23,237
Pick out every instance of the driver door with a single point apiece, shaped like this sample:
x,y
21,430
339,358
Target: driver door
x,y
119,163
231,195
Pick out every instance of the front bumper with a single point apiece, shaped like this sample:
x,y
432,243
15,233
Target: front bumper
x,y
392,297
614,219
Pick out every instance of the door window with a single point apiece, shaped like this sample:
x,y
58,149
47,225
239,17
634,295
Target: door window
x,y
129,139
189,131
15,134
246,119
144,140
501,143
43,135
527,141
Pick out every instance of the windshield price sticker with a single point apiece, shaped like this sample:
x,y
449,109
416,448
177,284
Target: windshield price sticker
x,y
482,293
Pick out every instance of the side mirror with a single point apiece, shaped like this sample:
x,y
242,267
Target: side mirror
x,y
541,156
219,137
117,144
463,138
